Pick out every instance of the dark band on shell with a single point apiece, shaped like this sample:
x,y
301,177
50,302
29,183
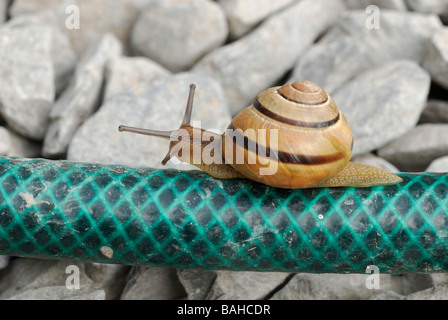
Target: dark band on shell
x,y
305,124
284,157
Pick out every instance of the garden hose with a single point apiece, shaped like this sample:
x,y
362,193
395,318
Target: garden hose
x,y
134,216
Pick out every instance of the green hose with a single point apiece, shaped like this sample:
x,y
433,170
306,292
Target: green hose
x,y
116,214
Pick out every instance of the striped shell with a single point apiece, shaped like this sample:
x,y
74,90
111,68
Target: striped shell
x,y
314,139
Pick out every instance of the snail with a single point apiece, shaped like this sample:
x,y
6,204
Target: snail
x,y
293,136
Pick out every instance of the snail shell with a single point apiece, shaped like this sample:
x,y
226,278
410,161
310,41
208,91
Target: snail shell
x,y
314,139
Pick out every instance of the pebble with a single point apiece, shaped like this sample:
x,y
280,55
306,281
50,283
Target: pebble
x,y
330,287
4,261
374,161
82,96
414,151
159,106
96,18
3,11
436,111
125,72
245,285
24,274
5,142
408,283
255,62
177,43
439,278
402,35
350,48
28,65
438,165
384,103
23,147
387,295
436,59
333,63
438,292
399,5
146,283
243,16
197,283
22,7
111,278
429,6
88,292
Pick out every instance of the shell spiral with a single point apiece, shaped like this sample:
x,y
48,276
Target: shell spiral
x,y
295,133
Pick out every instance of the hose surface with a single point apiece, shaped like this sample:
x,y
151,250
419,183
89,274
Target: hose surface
x,y
117,214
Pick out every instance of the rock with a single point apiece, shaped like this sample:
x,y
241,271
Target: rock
x,y
199,27
96,18
351,49
387,295
333,63
429,6
24,274
64,61
438,165
60,50
330,287
418,148
3,11
439,278
374,161
5,142
384,103
399,5
125,72
146,283
231,285
402,35
110,277
197,283
436,111
23,147
408,283
438,292
4,261
255,62
436,59
22,7
61,293
244,15
81,98
159,106
29,67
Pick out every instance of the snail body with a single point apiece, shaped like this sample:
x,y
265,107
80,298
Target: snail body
x,y
293,136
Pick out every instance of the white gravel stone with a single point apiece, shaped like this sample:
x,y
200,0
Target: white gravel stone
x,y
244,15
159,106
350,48
29,68
177,34
81,98
418,148
384,103
436,59
125,72
429,6
255,62
438,165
